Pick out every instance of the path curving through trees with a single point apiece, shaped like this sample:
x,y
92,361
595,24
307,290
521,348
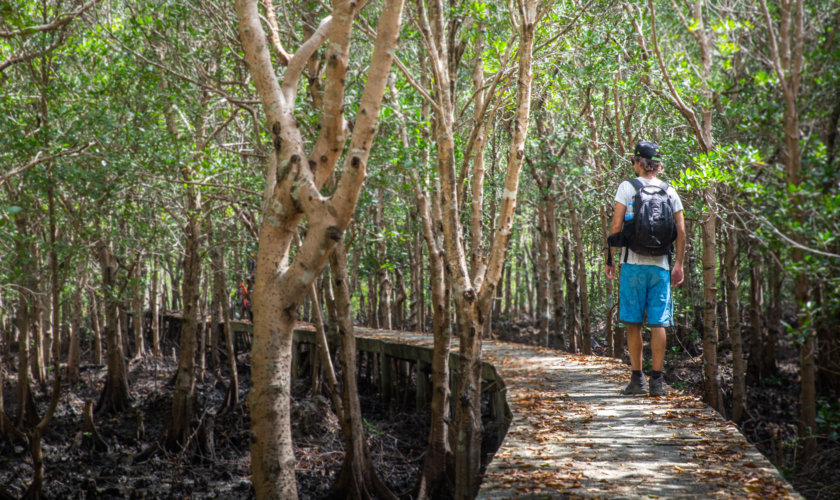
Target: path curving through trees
x,y
573,435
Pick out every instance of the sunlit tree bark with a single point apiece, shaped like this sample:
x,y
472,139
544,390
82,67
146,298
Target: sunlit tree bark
x,y
292,192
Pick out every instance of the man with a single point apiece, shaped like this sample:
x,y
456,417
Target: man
x,y
645,282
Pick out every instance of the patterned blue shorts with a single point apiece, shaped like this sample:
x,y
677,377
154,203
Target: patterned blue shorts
x,y
645,290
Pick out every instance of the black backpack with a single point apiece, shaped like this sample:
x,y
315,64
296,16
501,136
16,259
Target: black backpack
x,y
653,229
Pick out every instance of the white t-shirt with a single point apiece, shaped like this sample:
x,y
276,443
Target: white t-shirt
x,y
626,193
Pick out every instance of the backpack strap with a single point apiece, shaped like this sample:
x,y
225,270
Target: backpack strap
x,y
637,200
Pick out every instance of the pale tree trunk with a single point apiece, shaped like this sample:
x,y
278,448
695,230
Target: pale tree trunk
x,y
203,331
755,361
179,426
49,329
572,294
36,356
217,297
787,44
417,307
398,313
541,277
603,213
473,298
583,289
96,328
384,315
711,386
137,309
477,263
115,396
74,354
56,284
433,478
549,201
508,298
292,192
555,273
739,396
373,299
35,489
222,302
357,478
155,310
26,413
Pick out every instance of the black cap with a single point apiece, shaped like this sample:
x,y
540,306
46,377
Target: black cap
x,y
648,150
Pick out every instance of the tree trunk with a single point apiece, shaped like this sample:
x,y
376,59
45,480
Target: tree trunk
x,y
711,386
217,255
137,310
373,296
774,316
437,462
382,271
572,294
755,362
292,192
398,314
35,489
96,329
357,478
583,293
26,413
542,278
739,396
154,309
74,354
179,427
36,356
115,396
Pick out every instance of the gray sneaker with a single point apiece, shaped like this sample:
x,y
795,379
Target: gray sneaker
x,y
635,387
657,387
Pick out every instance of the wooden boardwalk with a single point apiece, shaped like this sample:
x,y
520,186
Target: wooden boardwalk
x,y
570,434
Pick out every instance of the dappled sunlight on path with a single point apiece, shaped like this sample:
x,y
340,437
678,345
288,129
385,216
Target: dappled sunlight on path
x,y
574,436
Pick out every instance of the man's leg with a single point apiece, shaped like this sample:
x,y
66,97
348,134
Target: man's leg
x,y
657,347
660,314
634,345
637,383
631,313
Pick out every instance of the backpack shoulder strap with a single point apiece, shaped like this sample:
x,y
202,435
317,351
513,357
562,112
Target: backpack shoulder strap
x,y
637,184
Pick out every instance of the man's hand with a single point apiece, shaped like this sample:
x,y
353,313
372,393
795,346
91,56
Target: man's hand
x,y
677,275
610,270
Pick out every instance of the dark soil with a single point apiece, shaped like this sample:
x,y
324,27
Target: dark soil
x,y
396,441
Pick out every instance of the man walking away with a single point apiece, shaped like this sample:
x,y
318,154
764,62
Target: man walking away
x,y
648,219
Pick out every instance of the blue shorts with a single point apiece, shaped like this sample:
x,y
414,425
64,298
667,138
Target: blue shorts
x,y
645,289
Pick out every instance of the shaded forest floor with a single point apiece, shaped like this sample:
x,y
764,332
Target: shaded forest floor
x,y
396,438
396,435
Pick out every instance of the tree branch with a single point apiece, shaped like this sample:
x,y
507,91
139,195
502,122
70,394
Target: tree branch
x,y
57,23
283,57
298,61
43,159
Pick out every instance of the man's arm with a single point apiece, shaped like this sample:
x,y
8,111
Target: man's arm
x,y
615,226
677,271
